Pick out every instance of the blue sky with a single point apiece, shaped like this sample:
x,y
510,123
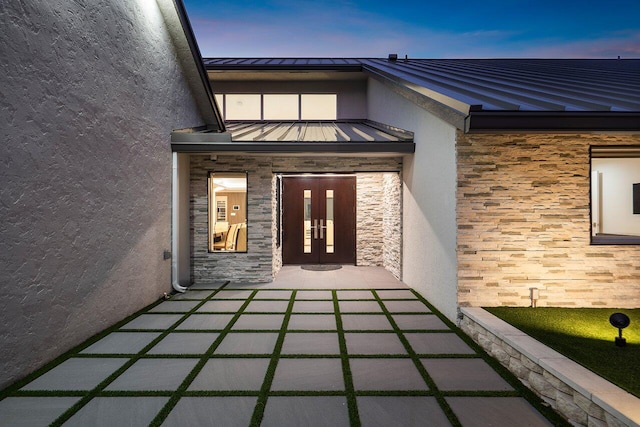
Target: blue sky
x,y
419,29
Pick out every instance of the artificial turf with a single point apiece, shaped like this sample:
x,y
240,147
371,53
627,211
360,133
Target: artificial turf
x,y
585,336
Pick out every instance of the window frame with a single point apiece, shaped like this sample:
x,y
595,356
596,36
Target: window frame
x,y
223,103
609,152
212,212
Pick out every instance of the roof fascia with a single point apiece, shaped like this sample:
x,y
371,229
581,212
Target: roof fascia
x,y
284,68
354,148
448,109
565,121
188,53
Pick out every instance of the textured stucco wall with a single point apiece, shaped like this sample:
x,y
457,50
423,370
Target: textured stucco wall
x,y
263,259
523,220
90,93
429,201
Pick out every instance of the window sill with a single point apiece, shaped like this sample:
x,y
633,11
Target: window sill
x,y
615,239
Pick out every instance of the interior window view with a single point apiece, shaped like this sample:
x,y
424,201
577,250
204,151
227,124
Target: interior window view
x,y
615,195
227,212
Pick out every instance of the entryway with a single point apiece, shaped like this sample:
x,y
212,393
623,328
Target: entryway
x,y
319,219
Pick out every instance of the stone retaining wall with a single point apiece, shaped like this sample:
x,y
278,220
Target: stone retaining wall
x,y
578,394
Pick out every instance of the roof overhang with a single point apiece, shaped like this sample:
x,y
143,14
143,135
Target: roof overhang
x,y
563,121
188,54
487,95
355,138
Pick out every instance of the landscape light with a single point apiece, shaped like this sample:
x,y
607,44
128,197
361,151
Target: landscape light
x,y
620,321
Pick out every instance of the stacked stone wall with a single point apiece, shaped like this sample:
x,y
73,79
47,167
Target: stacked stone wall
x,y
369,219
392,224
264,258
523,214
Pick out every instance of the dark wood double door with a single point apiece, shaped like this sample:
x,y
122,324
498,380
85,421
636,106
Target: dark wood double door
x,y
319,219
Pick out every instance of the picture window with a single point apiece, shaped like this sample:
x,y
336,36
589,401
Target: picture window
x,y
227,196
615,192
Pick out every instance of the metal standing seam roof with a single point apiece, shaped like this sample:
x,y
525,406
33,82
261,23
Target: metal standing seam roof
x,y
337,136
587,85
316,131
494,94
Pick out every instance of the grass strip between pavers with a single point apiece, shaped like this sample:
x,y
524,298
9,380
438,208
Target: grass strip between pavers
x,y
100,387
177,394
451,416
258,412
350,393
535,401
13,389
352,403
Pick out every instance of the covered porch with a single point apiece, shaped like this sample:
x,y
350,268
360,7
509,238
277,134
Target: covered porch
x,y
266,152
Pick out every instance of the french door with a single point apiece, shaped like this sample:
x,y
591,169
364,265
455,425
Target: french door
x,y
318,219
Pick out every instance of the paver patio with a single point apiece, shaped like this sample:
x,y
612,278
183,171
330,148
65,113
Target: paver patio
x,y
370,353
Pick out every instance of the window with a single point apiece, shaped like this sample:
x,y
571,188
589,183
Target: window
x,y
615,195
227,212
243,107
278,106
281,107
319,107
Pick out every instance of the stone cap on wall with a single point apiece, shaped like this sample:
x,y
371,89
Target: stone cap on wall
x,y
611,398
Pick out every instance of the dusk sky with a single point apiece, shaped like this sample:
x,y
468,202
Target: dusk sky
x,y
420,29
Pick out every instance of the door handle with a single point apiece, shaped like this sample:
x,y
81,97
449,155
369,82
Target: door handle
x,y
321,230
315,228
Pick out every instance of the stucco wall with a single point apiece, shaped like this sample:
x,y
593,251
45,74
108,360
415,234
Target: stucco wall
x,y
523,220
90,94
263,258
429,202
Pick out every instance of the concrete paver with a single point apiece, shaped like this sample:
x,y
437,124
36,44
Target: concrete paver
x,y
247,355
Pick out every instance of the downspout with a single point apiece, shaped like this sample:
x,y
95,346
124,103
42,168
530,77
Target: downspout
x,y
175,224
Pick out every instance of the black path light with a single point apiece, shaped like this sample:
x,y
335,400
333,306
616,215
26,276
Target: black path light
x,y
620,321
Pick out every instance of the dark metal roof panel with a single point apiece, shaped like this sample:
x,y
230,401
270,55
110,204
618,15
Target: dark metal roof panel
x,y
527,85
544,85
345,137
316,131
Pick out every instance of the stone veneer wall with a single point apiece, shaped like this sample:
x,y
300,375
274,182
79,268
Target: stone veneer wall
x,y
263,258
523,213
369,216
276,252
392,224
379,220
255,265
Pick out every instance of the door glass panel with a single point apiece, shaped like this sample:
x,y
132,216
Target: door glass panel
x,y
307,221
329,231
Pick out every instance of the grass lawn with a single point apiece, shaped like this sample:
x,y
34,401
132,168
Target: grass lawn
x,y
585,336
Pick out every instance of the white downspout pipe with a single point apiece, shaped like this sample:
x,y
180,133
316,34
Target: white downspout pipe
x,y
175,225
